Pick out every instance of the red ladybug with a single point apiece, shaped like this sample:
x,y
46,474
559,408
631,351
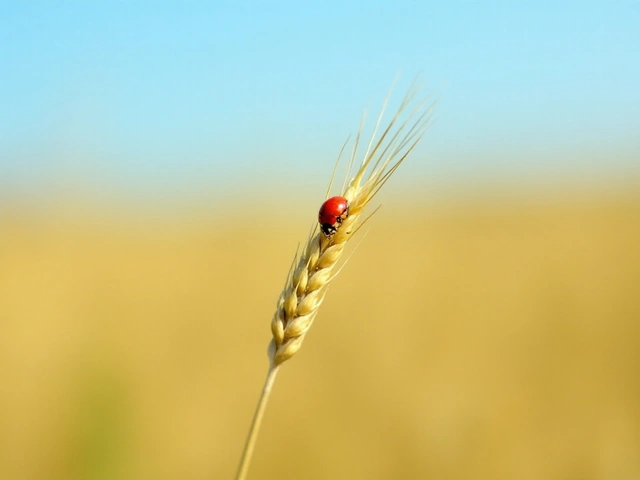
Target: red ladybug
x,y
332,212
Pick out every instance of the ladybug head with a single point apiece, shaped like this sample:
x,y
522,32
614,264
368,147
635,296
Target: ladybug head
x,y
328,229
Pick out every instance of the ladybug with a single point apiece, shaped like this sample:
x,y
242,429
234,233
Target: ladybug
x,y
332,212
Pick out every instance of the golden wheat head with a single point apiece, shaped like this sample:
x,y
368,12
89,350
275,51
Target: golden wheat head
x,y
314,268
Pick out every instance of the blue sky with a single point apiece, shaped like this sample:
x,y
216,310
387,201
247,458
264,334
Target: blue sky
x,y
164,98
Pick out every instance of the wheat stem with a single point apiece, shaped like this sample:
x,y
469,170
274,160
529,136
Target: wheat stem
x,y
250,443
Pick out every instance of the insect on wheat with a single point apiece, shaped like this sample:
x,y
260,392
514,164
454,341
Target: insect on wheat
x,y
340,217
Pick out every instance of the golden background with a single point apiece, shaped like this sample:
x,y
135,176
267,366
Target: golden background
x,y
464,339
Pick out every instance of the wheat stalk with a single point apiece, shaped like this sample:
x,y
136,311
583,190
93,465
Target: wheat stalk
x,y
315,267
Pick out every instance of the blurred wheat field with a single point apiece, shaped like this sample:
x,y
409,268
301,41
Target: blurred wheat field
x,y
480,341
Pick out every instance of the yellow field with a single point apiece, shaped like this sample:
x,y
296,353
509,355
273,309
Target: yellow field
x,y
467,342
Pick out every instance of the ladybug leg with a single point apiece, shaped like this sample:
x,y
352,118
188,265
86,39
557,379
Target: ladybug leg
x,y
344,215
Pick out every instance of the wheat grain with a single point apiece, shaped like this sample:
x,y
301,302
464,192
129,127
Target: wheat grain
x,y
313,269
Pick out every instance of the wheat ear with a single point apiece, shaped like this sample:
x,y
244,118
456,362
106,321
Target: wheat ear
x,y
314,268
